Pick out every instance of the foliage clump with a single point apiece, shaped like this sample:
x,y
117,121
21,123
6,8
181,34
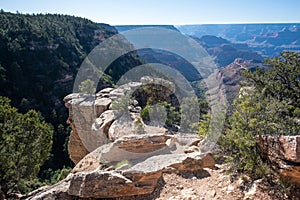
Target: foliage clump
x,y
25,144
269,105
87,87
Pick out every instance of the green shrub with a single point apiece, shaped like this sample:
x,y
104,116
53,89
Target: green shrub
x,y
87,87
25,144
271,107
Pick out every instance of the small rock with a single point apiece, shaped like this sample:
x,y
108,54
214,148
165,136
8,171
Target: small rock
x,y
179,187
106,90
191,149
230,188
135,102
170,142
212,193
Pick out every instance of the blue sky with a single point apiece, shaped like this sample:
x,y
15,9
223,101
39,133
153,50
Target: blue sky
x,y
176,12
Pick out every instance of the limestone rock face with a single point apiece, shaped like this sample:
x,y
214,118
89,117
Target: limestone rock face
x,y
115,152
284,154
76,148
131,165
102,118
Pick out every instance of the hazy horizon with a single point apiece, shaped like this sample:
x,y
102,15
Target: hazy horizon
x,y
167,12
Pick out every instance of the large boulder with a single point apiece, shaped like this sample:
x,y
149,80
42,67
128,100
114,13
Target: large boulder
x,y
283,152
131,165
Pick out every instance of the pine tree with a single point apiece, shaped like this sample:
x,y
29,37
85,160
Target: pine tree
x,y
25,144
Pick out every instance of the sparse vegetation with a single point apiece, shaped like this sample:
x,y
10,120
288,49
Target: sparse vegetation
x,y
138,125
121,163
87,87
40,56
271,107
172,117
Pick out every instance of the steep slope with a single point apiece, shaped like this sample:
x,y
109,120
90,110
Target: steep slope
x,y
224,52
172,60
41,54
40,57
231,78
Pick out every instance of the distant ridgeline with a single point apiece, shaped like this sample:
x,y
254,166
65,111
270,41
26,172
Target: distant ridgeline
x,y
266,39
226,42
149,55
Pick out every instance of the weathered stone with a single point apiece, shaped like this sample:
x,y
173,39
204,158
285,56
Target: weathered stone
x,y
192,149
98,133
57,191
70,97
117,93
135,102
120,127
106,90
101,105
110,184
142,143
103,123
84,137
93,123
99,175
208,161
284,154
76,148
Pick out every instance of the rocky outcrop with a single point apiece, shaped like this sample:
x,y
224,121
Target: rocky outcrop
x,y
110,114
283,152
115,152
131,165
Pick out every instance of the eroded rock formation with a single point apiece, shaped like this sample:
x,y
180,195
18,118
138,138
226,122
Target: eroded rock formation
x,y
102,118
113,157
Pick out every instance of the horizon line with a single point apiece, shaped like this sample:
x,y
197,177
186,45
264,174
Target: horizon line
x,y
153,24
217,23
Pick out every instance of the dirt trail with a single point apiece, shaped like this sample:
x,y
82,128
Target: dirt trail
x,y
215,184
211,184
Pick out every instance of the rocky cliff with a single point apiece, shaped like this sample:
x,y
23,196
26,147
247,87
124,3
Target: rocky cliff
x,y
122,168
111,114
116,154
